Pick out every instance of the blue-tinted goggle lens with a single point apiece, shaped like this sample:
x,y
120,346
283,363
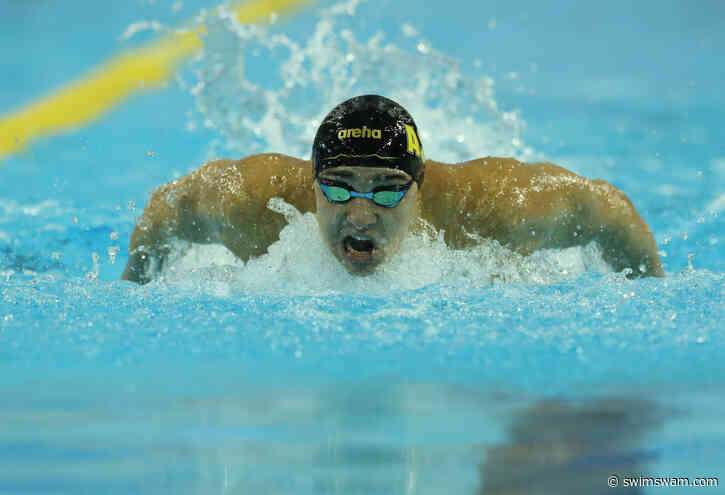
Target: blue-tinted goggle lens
x,y
388,197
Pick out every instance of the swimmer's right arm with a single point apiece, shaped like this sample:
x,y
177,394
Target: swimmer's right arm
x,y
224,202
175,212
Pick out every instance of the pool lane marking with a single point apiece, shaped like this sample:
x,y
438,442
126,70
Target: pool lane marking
x,y
105,87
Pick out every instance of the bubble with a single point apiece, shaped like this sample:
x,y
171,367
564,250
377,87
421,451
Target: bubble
x,y
93,273
112,253
408,30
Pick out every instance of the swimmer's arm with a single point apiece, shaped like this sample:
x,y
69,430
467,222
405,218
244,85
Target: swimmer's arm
x,y
526,207
222,202
612,220
563,209
177,211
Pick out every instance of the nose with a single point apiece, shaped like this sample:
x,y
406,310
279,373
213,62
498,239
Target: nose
x,y
360,213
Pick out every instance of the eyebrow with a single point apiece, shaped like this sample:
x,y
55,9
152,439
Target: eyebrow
x,y
346,174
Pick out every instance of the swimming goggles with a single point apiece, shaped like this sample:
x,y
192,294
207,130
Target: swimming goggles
x,y
386,196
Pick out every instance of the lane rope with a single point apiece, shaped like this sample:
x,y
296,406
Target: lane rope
x,y
107,86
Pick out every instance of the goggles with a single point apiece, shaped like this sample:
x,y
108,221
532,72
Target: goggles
x,y
385,196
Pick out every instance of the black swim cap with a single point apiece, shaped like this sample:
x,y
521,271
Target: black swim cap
x,y
369,131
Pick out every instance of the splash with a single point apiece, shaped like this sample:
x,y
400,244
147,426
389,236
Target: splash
x,y
264,90
423,260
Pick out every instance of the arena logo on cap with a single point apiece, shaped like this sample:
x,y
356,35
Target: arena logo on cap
x,y
360,133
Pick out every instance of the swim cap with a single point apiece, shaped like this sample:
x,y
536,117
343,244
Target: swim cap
x,y
369,131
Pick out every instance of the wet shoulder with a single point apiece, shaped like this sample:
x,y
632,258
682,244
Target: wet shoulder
x,y
265,167
486,195
459,184
251,182
490,175
494,168
274,175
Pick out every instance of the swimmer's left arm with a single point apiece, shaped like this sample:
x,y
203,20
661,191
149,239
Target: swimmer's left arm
x,y
526,207
624,237
570,210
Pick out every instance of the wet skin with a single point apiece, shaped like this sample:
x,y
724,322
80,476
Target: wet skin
x,y
360,218
524,207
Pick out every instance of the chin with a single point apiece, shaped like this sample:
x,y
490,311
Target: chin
x,y
360,269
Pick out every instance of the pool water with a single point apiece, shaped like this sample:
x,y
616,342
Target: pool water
x,y
447,371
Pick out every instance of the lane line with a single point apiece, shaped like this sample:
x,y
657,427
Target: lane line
x,y
107,86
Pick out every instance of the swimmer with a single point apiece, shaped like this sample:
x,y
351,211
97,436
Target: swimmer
x,y
369,185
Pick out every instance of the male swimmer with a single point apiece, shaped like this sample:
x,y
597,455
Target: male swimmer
x,y
366,185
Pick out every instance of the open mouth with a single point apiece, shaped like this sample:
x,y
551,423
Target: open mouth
x,y
359,248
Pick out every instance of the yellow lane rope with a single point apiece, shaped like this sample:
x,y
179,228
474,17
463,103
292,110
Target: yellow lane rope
x,y
108,85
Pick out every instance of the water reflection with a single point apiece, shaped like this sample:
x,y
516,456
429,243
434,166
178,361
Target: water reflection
x,y
559,447
136,436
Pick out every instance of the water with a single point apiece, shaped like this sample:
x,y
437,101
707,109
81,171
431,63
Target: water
x,y
447,372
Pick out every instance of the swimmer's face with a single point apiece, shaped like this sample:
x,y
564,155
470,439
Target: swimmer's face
x,y
360,233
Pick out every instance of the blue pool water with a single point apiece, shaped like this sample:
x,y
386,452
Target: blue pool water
x,y
447,372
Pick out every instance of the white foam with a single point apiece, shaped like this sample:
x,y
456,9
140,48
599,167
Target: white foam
x,y
10,207
141,26
300,264
717,205
264,90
